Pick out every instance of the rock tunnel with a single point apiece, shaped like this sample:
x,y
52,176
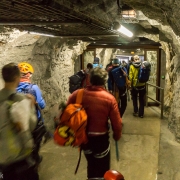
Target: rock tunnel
x,y
53,35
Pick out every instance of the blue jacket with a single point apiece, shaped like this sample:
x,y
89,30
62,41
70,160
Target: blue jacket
x,y
97,65
33,89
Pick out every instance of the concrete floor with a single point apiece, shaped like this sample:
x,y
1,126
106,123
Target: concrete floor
x,y
138,149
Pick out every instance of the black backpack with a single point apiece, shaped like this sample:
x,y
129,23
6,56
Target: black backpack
x,y
75,81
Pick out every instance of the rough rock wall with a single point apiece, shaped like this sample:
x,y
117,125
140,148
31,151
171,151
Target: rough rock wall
x,y
53,62
104,55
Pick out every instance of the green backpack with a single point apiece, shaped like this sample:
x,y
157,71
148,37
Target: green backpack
x,y
12,147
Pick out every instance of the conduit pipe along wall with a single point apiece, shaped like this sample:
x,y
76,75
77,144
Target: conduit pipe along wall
x,y
40,23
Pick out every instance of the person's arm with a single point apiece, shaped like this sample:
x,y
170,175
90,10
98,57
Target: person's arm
x,y
116,121
72,98
39,98
131,73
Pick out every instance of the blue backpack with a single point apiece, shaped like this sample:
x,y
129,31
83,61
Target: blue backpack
x,y
144,72
118,76
27,89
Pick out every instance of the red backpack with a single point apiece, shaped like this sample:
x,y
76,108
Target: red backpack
x,y
71,130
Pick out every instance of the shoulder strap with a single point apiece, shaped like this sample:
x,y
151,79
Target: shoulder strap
x,y
79,96
11,97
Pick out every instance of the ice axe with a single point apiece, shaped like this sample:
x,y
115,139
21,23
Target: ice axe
x,y
117,150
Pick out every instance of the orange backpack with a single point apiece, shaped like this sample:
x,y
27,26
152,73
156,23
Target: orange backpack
x,y
71,130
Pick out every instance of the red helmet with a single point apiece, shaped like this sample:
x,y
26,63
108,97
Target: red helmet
x,y
113,175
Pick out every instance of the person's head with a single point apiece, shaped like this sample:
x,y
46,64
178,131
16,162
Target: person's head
x,y
136,58
26,71
98,77
25,68
96,60
132,59
116,62
11,74
89,66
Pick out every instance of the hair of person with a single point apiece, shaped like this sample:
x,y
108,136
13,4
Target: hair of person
x,y
10,72
136,57
98,77
132,58
89,66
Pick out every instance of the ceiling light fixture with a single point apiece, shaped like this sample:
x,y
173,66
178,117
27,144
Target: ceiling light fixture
x,y
125,31
118,27
41,34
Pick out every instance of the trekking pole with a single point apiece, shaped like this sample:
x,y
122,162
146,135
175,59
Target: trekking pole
x,y
128,96
117,151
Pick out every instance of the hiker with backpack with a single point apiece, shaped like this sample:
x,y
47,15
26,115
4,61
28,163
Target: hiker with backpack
x,y
117,84
26,87
129,64
86,80
80,79
100,106
138,75
17,121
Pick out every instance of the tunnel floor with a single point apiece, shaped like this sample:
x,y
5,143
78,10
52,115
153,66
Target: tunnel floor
x,y
147,150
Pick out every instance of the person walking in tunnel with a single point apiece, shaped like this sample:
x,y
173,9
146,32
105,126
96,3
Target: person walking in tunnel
x,y
100,106
17,121
96,63
25,86
129,64
86,81
138,89
117,85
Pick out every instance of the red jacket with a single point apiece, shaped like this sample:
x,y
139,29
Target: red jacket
x,y
100,106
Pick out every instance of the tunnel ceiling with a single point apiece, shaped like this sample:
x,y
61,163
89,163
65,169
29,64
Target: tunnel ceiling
x,y
88,20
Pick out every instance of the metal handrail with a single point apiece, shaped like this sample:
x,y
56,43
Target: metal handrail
x,y
161,102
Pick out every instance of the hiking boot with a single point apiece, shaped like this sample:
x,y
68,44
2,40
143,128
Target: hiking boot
x,y
135,114
141,116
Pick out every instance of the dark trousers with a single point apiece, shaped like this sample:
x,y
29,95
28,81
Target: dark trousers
x,y
22,170
141,91
122,100
35,152
97,153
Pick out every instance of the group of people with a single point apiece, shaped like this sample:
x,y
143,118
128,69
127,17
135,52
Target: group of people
x,y
137,89
20,120
104,112
104,109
